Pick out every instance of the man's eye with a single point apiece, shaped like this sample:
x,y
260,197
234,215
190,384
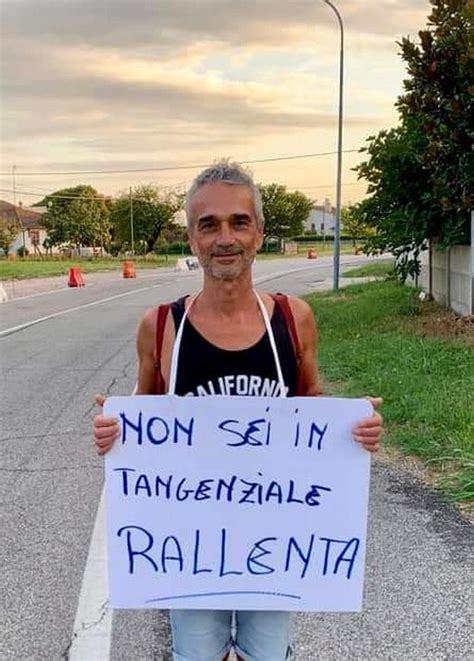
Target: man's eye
x,y
207,224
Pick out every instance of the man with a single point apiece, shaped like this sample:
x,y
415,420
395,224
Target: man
x,y
229,339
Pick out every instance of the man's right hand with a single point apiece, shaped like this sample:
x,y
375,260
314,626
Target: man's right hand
x,y
106,430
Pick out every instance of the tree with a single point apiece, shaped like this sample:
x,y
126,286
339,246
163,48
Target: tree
x,y
153,211
399,208
285,213
77,216
419,173
354,226
439,98
8,233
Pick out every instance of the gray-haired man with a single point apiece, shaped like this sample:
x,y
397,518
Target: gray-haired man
x,y
234,340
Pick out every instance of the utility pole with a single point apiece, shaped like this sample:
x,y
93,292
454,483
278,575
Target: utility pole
x,y
337,228
14,184
132,241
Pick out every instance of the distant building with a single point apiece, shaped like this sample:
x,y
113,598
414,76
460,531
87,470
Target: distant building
x,y
31,232
322,219
180,218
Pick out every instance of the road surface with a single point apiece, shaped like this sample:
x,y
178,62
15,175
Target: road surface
x,y
60,348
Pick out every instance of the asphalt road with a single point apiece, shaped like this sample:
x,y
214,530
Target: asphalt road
x,y
419,578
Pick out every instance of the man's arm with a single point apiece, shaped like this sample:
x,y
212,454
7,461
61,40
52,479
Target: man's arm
x,y
146,384
368,431
106,428
309,344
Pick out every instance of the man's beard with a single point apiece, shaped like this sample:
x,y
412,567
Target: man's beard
x,y
227,272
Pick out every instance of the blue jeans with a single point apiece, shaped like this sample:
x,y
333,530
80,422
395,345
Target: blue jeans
x,y
206,635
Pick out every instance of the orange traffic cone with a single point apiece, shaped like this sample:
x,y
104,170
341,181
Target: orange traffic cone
x,y
129,270
75,277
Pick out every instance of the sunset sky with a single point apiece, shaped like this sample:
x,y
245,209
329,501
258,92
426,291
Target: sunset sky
x,y
136,84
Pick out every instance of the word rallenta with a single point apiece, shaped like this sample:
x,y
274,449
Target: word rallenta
x,y
168,553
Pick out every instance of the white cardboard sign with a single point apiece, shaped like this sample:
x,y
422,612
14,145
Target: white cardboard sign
x,y
240,503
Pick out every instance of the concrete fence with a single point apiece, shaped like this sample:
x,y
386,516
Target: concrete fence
x,y
452,277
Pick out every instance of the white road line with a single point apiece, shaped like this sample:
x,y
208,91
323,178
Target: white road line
x,y
282,274
55,291
13,329
92,633
41,293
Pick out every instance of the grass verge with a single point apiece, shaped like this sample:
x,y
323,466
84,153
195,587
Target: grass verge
x,y
383,269
21,269
379,339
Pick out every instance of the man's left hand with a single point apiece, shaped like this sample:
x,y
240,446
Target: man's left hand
x,y
369,431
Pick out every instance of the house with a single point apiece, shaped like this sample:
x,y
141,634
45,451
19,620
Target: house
x,y
31,232
180,218
322,219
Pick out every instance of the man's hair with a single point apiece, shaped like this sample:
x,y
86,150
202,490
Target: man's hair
x,y
226,172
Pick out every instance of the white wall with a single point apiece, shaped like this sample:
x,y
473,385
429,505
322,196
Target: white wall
x,y
18,243
458,281
323,220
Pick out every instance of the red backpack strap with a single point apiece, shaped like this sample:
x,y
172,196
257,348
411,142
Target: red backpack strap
x,y
282,301
284,304
161,317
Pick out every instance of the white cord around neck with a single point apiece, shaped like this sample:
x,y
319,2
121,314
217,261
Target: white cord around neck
x,y
271,337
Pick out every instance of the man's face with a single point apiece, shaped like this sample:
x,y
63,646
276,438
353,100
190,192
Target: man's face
x,y
224,233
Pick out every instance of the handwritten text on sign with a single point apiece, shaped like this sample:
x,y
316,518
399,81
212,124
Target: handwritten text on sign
x,y
237,503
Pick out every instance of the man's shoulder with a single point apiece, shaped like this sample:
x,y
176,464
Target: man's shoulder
x,y
149,318
299,308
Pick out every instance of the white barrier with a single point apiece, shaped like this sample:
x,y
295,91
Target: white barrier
x,y
187,264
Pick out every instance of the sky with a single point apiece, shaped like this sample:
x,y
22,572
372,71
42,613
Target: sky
x,y
94,85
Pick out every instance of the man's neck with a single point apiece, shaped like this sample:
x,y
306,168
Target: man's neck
x,y
226,299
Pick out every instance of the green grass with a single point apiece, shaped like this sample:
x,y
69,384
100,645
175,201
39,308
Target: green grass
x,y
382,268
378,339
44,267
321,251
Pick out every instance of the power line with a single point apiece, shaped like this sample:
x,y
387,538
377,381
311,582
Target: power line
x,y
62,197
110,197
352,183
46,192
178,167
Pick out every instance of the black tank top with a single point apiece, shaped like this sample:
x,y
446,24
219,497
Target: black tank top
x,y
204,369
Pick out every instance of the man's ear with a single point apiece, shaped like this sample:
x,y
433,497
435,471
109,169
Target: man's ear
x,y
260,238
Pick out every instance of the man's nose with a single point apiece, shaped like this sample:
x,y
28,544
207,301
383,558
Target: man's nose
x,y
225,234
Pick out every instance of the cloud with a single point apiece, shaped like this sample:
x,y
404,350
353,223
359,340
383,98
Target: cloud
x,y
144,25
127,82
106,92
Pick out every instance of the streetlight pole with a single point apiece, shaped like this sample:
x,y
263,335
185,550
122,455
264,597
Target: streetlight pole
x,y
132,239
337,228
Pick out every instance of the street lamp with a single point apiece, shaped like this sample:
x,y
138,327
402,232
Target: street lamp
x,y
132,239
337,228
